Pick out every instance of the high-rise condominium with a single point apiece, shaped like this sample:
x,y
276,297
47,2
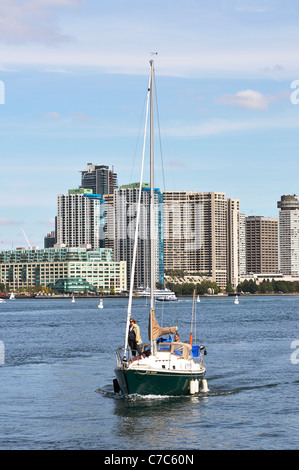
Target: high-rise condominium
x,y
289,234
80,218
261,244
99,178
125,211
201,234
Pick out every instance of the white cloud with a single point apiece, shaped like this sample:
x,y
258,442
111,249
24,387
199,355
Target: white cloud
x,y
254,6
248,99
31,21
5,221
73,116
53,115
216,127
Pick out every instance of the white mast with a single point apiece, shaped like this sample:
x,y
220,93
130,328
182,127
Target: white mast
x,y
152,195
136,235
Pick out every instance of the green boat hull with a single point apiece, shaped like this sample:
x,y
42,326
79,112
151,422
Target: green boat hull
x,y
132,381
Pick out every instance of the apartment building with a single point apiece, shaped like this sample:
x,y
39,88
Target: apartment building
x,y
261,244
242,244
125,212
234,245
99,178
289,234
80,218
201,234
21,268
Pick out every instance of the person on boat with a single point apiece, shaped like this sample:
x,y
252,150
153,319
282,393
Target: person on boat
x,y
176,338
134,337
179,348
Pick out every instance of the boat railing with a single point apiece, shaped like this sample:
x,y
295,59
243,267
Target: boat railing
x,y
120,355
181,349
178,348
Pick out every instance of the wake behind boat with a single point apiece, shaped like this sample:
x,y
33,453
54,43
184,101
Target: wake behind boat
x,y
162,367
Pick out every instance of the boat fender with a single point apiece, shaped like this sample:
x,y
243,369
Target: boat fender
x,y
194,387
204,384
116,387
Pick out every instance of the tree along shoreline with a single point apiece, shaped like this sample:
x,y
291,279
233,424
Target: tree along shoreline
x,y
246,287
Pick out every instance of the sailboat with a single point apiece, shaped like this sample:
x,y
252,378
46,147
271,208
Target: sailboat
x,y
100,305
162,368
198,299
236,301
12,296
73,299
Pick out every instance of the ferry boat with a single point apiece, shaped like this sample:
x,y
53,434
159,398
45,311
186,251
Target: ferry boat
x,y
158,293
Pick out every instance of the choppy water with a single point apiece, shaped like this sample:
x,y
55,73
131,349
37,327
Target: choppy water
x,y
56,382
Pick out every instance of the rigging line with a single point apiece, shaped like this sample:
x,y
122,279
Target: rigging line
x,y
176,316
136,234
160,141
193,304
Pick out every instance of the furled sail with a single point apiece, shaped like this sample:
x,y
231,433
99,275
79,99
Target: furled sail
x,y
157,330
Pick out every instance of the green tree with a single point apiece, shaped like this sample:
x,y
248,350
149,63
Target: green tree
x,y
248,286
229,287
265,287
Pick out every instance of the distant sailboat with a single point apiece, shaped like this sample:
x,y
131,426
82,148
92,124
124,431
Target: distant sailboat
x,y
73,299
12,296
198,299
236,301
101,304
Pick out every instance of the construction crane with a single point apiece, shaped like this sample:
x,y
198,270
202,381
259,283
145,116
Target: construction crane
x,y
26,238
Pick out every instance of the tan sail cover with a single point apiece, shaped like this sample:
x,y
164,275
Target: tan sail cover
x,y
157,330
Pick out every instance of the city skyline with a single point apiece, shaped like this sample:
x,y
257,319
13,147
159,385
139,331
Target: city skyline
x,y
75,74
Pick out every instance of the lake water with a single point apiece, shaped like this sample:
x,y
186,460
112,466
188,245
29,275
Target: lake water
x,y
56,380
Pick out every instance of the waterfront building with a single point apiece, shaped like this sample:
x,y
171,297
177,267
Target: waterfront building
x,y
125,211
80,218
21,268
289,234
50,239
234,247
74,285
242,245
109,222
261,244
99,178
201,234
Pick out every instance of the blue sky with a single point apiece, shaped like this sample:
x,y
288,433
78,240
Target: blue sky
x,y
75,74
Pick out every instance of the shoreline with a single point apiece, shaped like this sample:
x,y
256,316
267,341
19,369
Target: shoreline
x,y
120,296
